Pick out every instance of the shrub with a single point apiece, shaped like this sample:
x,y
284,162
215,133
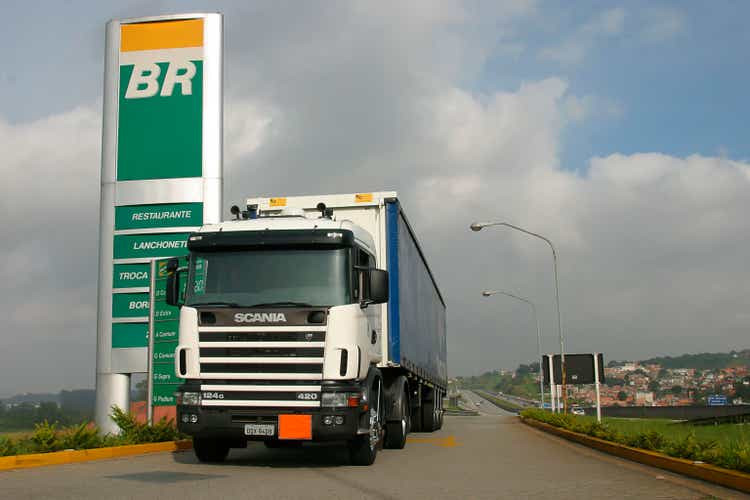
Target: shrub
x,y
691,448
134,432
7,447
82,437
45,438
648,440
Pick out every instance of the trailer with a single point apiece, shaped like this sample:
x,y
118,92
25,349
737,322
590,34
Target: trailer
x,y
309,318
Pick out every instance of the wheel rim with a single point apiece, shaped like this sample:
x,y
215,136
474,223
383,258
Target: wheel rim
x,y
374,432
404,421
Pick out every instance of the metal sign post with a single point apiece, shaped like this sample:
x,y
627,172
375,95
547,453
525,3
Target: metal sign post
x,y
150,403
596,386
553,401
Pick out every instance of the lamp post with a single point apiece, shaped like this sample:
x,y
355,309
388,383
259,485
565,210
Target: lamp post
x,y
478,226
489,293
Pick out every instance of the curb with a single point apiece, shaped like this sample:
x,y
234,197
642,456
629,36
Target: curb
x,y
75,456
711,473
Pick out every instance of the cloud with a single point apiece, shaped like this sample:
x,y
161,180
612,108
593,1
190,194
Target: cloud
x,y
662,23
573,49
48,253
581,108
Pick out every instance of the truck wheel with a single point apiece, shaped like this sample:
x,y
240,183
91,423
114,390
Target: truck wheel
x,y
429,417
395,432
210,450
364,448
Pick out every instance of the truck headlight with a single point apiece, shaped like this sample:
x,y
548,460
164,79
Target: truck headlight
x,y
191,398
340,399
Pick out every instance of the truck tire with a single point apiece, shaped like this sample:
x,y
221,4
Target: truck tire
x,y
440,412
364,448
395,432
429,415
210,450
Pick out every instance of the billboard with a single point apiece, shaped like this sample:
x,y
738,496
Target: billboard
x,y
579,368
161,177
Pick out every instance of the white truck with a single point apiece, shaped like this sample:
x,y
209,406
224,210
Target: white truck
x,y
310,318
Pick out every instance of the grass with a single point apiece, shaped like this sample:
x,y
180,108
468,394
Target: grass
x,y
723,434
725,445
16,434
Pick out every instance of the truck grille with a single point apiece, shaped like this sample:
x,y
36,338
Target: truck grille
x,y
261,367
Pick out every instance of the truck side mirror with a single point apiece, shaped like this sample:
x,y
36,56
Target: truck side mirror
x,y
378,286
173,282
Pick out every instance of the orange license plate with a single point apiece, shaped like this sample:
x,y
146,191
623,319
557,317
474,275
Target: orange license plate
x,y
295,427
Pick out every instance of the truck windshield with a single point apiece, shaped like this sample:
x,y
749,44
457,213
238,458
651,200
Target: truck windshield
x,y
269,278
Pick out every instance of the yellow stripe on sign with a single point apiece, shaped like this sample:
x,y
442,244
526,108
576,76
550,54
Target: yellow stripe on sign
x,y
161,35
277,202
363,198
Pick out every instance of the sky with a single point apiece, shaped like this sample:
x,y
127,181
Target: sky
x,y
616,129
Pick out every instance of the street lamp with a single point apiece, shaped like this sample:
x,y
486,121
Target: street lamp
x,y
489,293
478,226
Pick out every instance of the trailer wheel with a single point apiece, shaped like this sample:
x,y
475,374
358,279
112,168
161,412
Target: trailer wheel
x,y
210,450
429,415
440,411
395,432
416,417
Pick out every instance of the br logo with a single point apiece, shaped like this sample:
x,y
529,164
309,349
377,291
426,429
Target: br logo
x,y
144,81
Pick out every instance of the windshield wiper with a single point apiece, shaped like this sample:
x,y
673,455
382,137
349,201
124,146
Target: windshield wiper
x,y
282,304
214,304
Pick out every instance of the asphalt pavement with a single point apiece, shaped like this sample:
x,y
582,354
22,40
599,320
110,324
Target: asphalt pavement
x,y
484,457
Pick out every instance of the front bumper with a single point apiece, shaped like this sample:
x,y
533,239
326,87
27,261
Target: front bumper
x,y
229,422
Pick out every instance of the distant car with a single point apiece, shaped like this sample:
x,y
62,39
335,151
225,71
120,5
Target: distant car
x,y
577,411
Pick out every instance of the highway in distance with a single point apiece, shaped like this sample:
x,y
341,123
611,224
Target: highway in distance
x,y
488,456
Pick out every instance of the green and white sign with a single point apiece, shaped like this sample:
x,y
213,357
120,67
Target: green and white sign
x,y
166,331
163,395
162,215
166,326
163,311
164,374
138,246
131,276
126,335
130,305
161,178
164,352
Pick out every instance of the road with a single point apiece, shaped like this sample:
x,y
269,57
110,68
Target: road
x,y
485,457
476,402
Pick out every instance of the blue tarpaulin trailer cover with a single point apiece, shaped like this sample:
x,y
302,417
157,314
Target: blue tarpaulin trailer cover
x,y
417,313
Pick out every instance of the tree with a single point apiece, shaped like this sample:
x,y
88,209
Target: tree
x,y
676,389
611,381
622,396
526,369
653,386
